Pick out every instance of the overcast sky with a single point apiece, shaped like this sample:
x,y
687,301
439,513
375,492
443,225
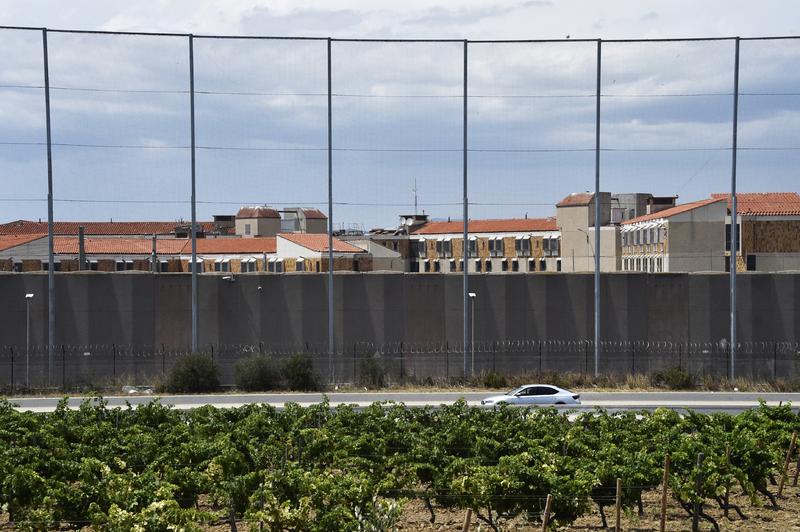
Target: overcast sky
x,y
120,107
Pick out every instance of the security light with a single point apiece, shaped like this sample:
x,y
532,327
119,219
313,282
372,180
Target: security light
x,y
28,296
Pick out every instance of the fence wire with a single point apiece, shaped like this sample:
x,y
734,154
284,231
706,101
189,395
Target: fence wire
x,y
366,130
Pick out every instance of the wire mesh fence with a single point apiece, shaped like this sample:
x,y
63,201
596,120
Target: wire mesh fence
x,y
366,130
399,363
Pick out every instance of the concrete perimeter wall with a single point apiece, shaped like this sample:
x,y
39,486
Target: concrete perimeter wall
x,y
151,312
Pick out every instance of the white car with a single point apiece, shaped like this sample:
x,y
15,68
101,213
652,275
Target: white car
x,y
535,394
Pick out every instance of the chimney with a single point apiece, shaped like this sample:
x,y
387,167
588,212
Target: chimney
x,y
81,250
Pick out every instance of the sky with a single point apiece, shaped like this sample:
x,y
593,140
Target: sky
x,y
120,107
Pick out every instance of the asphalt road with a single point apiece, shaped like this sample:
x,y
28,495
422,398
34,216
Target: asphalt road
x,y
701,401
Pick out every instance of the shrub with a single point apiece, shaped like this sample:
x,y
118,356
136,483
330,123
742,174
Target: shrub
x,y
494,380
258,373
673,378
372,373
299,373
193,373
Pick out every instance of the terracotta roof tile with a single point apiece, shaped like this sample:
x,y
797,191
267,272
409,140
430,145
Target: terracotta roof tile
x,y
319,242
314,214
235,245
26,227
11,241
257,212
672,211
764,203
67,245
576,199
509,225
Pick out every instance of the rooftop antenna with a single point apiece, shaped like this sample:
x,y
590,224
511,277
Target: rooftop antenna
x,y
414,190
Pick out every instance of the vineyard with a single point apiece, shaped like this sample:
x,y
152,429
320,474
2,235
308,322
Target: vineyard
x,y
319,468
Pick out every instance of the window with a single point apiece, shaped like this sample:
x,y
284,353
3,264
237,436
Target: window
x,y
558,265
249,265
437,266
531,265
478,265
18,267
636,238
247,229
93,265
279,266
496,247
727,263
461,265
453,265
300,265
488,265
440,248
222,265
414,266
420,248
514,265
473,247
447,249
660,264
504,265
523,247
546,246
427,266
542,265
751,263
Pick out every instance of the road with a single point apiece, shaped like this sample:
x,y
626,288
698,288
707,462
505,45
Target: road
x,y
731,402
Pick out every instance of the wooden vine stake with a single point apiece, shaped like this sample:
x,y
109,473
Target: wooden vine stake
x,y
796,471
617,505
467,520
785,470
546,516
664,485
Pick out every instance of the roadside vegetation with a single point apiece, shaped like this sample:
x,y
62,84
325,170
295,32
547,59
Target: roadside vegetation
x,y
319,468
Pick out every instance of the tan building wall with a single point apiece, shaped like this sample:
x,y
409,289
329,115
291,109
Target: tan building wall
x,y
6,265
258,226
779,236
31,265
696,246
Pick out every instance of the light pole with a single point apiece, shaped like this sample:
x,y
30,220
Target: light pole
x,y
472,296
28,298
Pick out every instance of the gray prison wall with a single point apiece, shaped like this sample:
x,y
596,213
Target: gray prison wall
x,y
132,326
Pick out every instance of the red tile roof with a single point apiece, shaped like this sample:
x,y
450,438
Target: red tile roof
x,y
764,203
314,214
319,242
235,245
26,227
120,246
11,241
509,225
257,212
672,211
576,199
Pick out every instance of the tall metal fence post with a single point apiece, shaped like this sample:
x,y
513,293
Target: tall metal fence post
x,y
194,198
331,322
775,361
465,245
447,360
51,290
698,488
597,216
734,231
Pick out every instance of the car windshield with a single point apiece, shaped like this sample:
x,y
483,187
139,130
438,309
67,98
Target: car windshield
x,y
515,391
